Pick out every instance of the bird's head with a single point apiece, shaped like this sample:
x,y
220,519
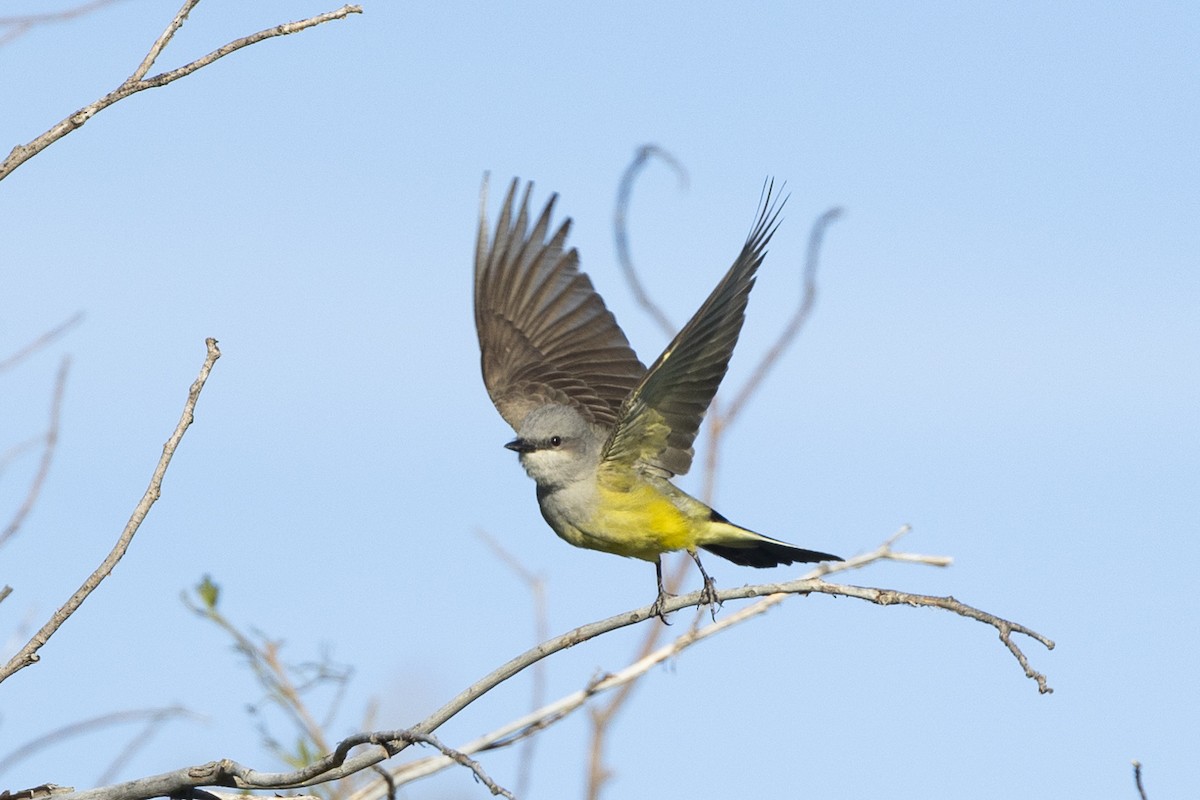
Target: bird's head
x,y
557,445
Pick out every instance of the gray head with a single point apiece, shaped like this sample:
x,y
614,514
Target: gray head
x,y
557,445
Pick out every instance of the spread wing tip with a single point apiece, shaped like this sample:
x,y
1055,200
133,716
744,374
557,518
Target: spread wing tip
x,y
542,327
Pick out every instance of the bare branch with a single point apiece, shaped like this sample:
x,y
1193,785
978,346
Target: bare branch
x,y
51,441
1137,779
644,154
138,82
40,342
43,792
20,24
622,680
28,654
208,794
17,450
163,40
385,744
461,758
55,737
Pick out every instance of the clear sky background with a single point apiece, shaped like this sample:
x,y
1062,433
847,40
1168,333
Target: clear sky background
x,y
1005,353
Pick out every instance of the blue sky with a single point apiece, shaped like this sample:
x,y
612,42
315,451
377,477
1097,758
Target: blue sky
x,y
1004,354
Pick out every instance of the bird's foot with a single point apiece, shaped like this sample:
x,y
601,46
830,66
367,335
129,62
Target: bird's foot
x,y
659,607
708,596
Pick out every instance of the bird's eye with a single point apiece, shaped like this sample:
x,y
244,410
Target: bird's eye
x,y
556,441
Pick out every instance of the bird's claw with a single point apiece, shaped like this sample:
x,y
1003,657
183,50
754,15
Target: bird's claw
x,y
708,597
659,607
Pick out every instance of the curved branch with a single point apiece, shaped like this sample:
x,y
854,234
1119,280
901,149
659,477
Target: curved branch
x,y
625,189
28,654
138,82
771,594
622,680
340,763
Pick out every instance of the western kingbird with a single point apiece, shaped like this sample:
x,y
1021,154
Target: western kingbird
x,y
599,433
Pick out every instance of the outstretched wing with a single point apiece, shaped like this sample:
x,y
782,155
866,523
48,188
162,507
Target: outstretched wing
x,y
545,335
659,420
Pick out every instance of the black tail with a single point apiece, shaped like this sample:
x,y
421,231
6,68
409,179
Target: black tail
x,y
766,553
750,549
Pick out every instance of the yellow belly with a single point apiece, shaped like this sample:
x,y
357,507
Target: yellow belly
x,y
633,518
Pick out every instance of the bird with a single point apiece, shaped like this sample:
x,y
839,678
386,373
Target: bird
x,y
599,433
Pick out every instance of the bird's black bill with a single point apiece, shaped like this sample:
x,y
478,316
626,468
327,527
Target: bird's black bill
x,y
520,446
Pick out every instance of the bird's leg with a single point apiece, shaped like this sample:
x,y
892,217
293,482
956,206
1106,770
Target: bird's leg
x,y
659,602
708,595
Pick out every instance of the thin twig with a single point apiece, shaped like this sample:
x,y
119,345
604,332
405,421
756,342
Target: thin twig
x,y
138,82
19,449
162,41
51,442
1137,779
28,654
624,191
20,24
461,758
43,340
86,726
273,675
209,794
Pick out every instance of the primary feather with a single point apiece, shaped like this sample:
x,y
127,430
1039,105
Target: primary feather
x,y
545,335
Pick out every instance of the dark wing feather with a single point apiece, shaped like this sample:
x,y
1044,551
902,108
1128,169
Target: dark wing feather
x,y
545,335
659,420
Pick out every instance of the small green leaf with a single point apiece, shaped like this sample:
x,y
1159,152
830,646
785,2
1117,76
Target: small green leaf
x,y
209,593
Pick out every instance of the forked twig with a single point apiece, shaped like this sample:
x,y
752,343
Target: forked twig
x,y
138,81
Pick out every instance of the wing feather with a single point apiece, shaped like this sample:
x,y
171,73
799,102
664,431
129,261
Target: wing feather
x,y
660,418
545,335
